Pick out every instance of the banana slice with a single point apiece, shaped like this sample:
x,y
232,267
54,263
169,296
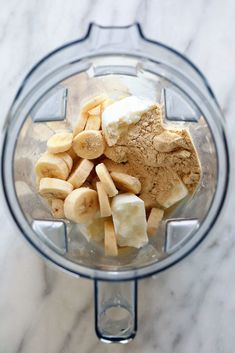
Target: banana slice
x,y
93,102
67,159
95,111
177,192
81,173
106,180
89,144
81,123
57,208
105,209
126,182
60,142
106,103
81,205
93,122
54,188
167,141
51,166
154,220
110,241
88,107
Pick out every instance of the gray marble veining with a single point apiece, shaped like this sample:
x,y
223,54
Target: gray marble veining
x,y
189,308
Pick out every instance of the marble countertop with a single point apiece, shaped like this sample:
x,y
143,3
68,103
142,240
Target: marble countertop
x,y
189,308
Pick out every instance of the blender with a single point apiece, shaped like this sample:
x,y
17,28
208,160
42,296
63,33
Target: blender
x,y
120,61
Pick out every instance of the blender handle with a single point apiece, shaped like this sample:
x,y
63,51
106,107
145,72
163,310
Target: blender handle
x,y
115,310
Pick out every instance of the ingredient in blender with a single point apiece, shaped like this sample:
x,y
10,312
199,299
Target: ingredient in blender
x,y
60,142
89,144
110,239
54,188
86,110
106,180
129,220
51,166
133,154
105,209
80,173
126,182
81,205
57,208
154,219
118,116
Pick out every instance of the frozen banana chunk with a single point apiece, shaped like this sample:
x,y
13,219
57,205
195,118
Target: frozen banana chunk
x,y
57,208
60,142
167,141
126,182
154,220
129,220
54,188
89,144
81,205
81,173
67,159
110,240
93,122
87,108
51,166
105,209
177,192
106,180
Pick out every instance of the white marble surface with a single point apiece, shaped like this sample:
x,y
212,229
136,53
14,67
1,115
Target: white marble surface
x,y
189,308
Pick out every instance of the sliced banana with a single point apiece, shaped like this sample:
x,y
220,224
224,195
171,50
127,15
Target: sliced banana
x,y
81,123
51,166
167,141
177,192
154,220
81,205
89,144
105,209
60,142
81,173
67,159
93,102
110,241
54,188
93,122
95,111
106,103
117,154
126,182
106,180
57,208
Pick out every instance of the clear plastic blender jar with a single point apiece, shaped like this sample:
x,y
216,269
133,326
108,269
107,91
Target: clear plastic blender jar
x,y
117,60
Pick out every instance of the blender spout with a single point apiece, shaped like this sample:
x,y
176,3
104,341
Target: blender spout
x,y
115,311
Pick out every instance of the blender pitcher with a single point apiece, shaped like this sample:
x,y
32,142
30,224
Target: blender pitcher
x,y
120,61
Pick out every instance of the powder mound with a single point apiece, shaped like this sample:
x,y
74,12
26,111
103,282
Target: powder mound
x,y
157,156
